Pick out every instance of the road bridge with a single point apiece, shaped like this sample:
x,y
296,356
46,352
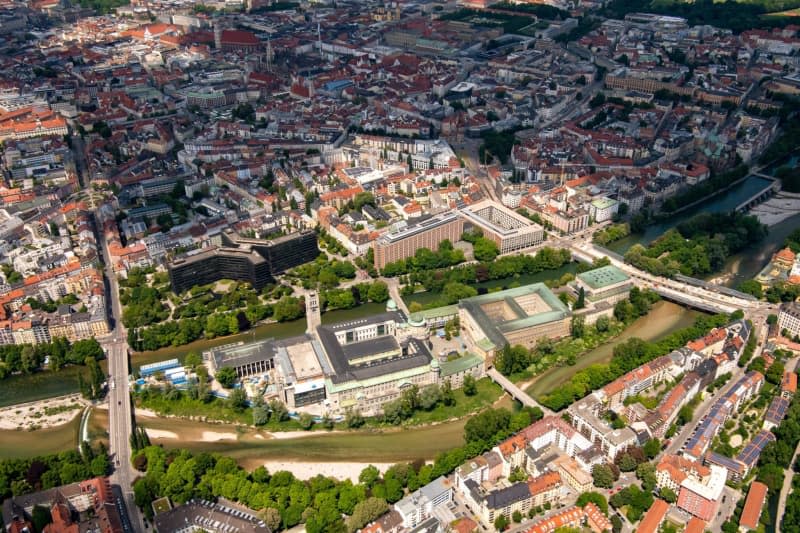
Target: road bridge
x,y
762,195
708,297
120,411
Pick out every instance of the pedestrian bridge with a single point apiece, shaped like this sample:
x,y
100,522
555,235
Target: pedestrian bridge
x,y
518,394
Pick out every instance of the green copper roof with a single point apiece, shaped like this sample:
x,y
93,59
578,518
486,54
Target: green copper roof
x,y
437,312
465,362
495,330
603,277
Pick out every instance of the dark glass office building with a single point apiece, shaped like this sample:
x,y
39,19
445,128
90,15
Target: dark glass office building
x,y
253,260
215,264
282,253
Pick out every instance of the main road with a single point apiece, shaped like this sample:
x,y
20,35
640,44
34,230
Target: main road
x,y
119,400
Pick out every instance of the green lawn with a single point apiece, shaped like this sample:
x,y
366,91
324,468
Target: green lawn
x,y
185,407
217,410
488,393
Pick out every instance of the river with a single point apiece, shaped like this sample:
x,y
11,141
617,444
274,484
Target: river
x,y
664,318
252,447
742,266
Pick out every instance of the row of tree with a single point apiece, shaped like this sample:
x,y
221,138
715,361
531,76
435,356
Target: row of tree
x,y
515,359
21,476
186,330
322,504
377,292
425,259
611,233
28,358
627,356
510,266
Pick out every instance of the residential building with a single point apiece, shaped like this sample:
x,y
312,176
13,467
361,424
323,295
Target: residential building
x,y
753,507
603,209
508,229
420,504
83,506
654,517
402,243
701,497
789,319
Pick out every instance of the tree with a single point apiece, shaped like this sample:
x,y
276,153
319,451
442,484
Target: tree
x,y
577,327
448,397
627,463
651,448
603,476
668,495
470,386
40,516
306,421
602,324
193,360
596,498
260,412
365,512
646,472
226,376
271,517
378,292
580,303
238,400
616,523
501,522
516,517
429,396
279,411
353,418
369,475
751,286
485,249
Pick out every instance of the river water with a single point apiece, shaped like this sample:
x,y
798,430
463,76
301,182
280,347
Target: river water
x,y
664,318
742,266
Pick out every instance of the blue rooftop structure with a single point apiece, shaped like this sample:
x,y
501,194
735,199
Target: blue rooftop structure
x,y
161,366
337,85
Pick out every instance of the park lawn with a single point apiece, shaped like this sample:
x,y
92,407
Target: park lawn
x,y
488,393
185,407
217,410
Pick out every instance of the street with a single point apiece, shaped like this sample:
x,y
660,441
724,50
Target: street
x,y
120,415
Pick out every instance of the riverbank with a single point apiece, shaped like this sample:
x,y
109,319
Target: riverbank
x,y
253,447
780,207
664,318
42,414
342,471
24,388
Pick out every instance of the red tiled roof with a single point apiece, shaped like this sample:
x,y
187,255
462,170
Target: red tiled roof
x,y
654,516
753,505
